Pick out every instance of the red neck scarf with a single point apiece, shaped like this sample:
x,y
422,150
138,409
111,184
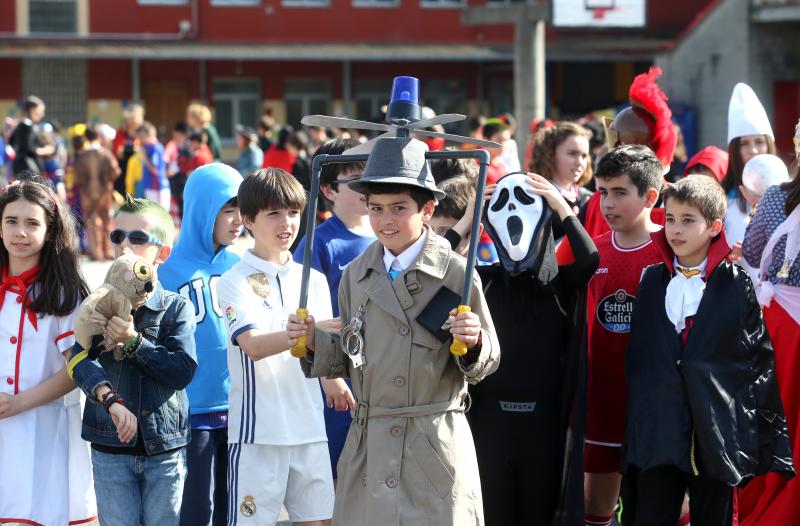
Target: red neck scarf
x,y
19,285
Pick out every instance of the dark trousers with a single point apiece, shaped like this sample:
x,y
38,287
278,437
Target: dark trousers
x,y
176,185
654,498
520,462
205,492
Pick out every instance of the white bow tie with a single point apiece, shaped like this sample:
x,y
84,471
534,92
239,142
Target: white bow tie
x,y
684,292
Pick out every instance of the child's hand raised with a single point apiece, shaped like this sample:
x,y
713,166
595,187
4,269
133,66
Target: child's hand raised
x,y
540,186
337,394
464,225
466,327
119,330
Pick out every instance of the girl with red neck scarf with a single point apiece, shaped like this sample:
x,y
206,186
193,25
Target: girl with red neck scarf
x,y
39,407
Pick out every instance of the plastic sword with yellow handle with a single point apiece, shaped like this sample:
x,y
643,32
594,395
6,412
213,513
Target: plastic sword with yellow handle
x,y
298,350
458,347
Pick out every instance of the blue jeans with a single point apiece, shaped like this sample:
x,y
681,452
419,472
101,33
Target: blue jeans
x,y
134,490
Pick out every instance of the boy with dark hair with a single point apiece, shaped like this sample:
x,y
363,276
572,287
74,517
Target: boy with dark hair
x,y
211,224
138,449
337,242
346,235
409,456
459,191
704,412
448,216
452,217
628,181
443,169
277,447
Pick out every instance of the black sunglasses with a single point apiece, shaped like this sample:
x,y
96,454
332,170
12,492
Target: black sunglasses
x,y
136,237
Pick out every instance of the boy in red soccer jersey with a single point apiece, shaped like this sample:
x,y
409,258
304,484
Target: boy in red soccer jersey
x,y
628,181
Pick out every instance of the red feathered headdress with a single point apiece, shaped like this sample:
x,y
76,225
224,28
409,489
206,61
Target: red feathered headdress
x,y
650,103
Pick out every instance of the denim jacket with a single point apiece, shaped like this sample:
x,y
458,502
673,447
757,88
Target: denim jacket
x,y
152,381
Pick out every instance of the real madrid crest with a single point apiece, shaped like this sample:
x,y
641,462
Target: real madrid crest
x,y
259,283
248,505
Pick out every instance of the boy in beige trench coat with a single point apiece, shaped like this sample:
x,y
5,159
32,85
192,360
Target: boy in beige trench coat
x,y
409,458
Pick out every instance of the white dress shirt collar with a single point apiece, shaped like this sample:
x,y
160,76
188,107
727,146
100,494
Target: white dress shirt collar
x,y
406,258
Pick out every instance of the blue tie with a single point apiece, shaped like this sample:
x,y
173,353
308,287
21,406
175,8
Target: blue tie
x,y
393,273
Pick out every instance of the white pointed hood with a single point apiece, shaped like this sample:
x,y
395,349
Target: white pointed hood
x,y
746,115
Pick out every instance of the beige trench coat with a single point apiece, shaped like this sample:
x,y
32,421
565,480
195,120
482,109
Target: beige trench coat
x,y
409,458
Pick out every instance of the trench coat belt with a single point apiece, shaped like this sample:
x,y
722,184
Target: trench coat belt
x,y
364,411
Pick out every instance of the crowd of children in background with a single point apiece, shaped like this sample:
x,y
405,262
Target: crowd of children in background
x,y
648,328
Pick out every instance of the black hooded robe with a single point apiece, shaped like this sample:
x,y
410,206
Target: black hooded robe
x,y
527,418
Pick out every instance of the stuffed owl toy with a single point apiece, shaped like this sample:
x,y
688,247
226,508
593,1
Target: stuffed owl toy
x,y
129,284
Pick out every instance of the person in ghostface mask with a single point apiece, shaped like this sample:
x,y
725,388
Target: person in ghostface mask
x,y
527,418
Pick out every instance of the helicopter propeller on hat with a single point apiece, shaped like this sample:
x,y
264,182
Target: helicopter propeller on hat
x,y
402,117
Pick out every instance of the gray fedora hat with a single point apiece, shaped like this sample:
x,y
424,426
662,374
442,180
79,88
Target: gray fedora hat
x,y
398,160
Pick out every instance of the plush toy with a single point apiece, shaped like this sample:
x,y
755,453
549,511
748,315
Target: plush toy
x,y
129,284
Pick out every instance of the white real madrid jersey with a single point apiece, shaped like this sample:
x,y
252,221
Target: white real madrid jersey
x,y
271,401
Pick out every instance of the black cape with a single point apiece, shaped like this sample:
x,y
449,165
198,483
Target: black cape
x,y
719,392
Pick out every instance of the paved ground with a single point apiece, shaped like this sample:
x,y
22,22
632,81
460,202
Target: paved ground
x,y
94,273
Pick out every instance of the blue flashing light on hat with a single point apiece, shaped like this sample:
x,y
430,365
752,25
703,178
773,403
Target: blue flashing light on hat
x,y
404,103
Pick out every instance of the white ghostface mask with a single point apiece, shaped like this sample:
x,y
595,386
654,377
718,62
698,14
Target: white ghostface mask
x,y
515,221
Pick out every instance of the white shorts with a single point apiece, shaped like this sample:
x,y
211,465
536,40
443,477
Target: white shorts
x,y
261,478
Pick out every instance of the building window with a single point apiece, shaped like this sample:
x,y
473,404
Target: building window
x,y
370,95
61,84
501,95
162,2
53,16
376,3
306,97
305,3
235,3
236,101
442,4
446,96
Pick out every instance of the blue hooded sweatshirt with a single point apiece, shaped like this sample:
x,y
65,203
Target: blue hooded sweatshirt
x,y
193,269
